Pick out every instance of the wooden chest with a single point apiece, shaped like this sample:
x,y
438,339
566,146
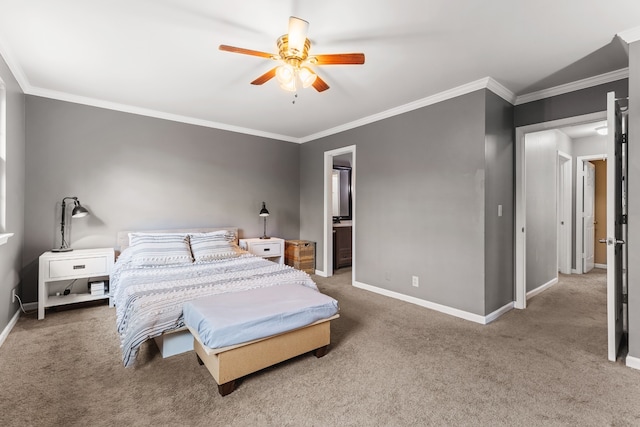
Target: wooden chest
x,y
300,254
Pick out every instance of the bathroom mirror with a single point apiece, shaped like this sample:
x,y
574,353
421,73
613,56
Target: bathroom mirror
x,y
341,192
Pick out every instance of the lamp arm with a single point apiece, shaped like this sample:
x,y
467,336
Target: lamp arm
x,y
63,243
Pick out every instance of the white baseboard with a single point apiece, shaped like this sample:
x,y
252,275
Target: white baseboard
x,y
499,312
575,271
603,266
632,362
483,320
544,287
9,327
321,273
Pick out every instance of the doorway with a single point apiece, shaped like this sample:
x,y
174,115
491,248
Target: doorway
x,y
590,231
328,255
521,199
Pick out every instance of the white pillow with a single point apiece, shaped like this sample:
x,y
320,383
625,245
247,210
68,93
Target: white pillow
x,y
159,249
215,245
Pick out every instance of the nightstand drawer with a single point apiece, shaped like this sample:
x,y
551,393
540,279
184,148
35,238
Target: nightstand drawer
x,y
266,249
82,267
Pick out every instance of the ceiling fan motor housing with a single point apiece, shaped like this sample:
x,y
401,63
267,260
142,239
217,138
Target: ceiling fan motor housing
x,y
291,55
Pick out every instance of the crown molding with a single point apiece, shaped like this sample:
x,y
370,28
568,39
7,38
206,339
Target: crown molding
x,y
573,86
501,91
14,67
484,83
61,96
631,35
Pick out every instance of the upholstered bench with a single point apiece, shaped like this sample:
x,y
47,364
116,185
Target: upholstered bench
x,y
238,333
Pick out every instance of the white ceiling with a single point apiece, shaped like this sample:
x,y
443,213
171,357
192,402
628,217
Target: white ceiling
x,y
160,57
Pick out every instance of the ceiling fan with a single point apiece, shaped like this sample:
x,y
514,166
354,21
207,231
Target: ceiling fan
x,y
293,52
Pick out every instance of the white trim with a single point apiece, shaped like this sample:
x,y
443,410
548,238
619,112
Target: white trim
x,y
564,189
321,273
573,86
328,214
501,91
542,288
154,113
520,249
499,312
574,271
485,83
631,35
579,211
632,362
9,327
14,67
520,231
483,320
602,266
4,238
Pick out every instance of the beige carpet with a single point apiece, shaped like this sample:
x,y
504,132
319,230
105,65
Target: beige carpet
x,y
390,364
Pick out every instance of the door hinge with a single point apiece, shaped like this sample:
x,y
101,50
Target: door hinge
x,y
623,219
625,298
624,138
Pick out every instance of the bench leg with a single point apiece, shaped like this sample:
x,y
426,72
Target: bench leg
x,y
226,388
319,352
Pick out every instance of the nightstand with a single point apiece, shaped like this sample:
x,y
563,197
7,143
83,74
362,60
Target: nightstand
x,y
271,249
69,266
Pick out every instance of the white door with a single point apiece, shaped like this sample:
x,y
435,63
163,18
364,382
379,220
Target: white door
x,y
564,213
615,220
588,217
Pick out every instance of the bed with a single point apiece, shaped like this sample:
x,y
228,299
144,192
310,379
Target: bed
x,y
156,273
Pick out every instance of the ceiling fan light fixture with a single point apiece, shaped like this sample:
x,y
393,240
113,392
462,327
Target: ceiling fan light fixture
x,y
306,76
289,86
285,74
602,130
298,29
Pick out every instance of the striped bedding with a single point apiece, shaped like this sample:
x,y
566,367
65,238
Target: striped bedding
x,y
149,298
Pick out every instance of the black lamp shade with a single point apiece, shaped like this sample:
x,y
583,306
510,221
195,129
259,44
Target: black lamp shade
x,y
264,211
78,211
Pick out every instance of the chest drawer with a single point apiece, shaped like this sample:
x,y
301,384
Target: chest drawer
x,y
266,249
82,267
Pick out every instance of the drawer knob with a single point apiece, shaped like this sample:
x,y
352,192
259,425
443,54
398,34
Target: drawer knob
x,y
78,267
267,249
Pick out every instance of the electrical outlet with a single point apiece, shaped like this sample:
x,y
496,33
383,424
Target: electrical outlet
x,y
13,295
415,281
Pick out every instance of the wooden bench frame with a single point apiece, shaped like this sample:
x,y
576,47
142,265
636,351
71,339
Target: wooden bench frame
x,y
227,364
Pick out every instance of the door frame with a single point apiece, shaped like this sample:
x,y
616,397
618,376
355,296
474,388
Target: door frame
x,y
520,189
564,206
328,212
579,210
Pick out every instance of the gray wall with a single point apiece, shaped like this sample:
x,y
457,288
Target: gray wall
x,y
136,172
499,239
420,200
541,197
577,103
11,253
633,246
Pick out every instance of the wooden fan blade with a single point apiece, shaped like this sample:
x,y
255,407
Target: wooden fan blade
x,y
265,77
320,85
243,51
338,58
